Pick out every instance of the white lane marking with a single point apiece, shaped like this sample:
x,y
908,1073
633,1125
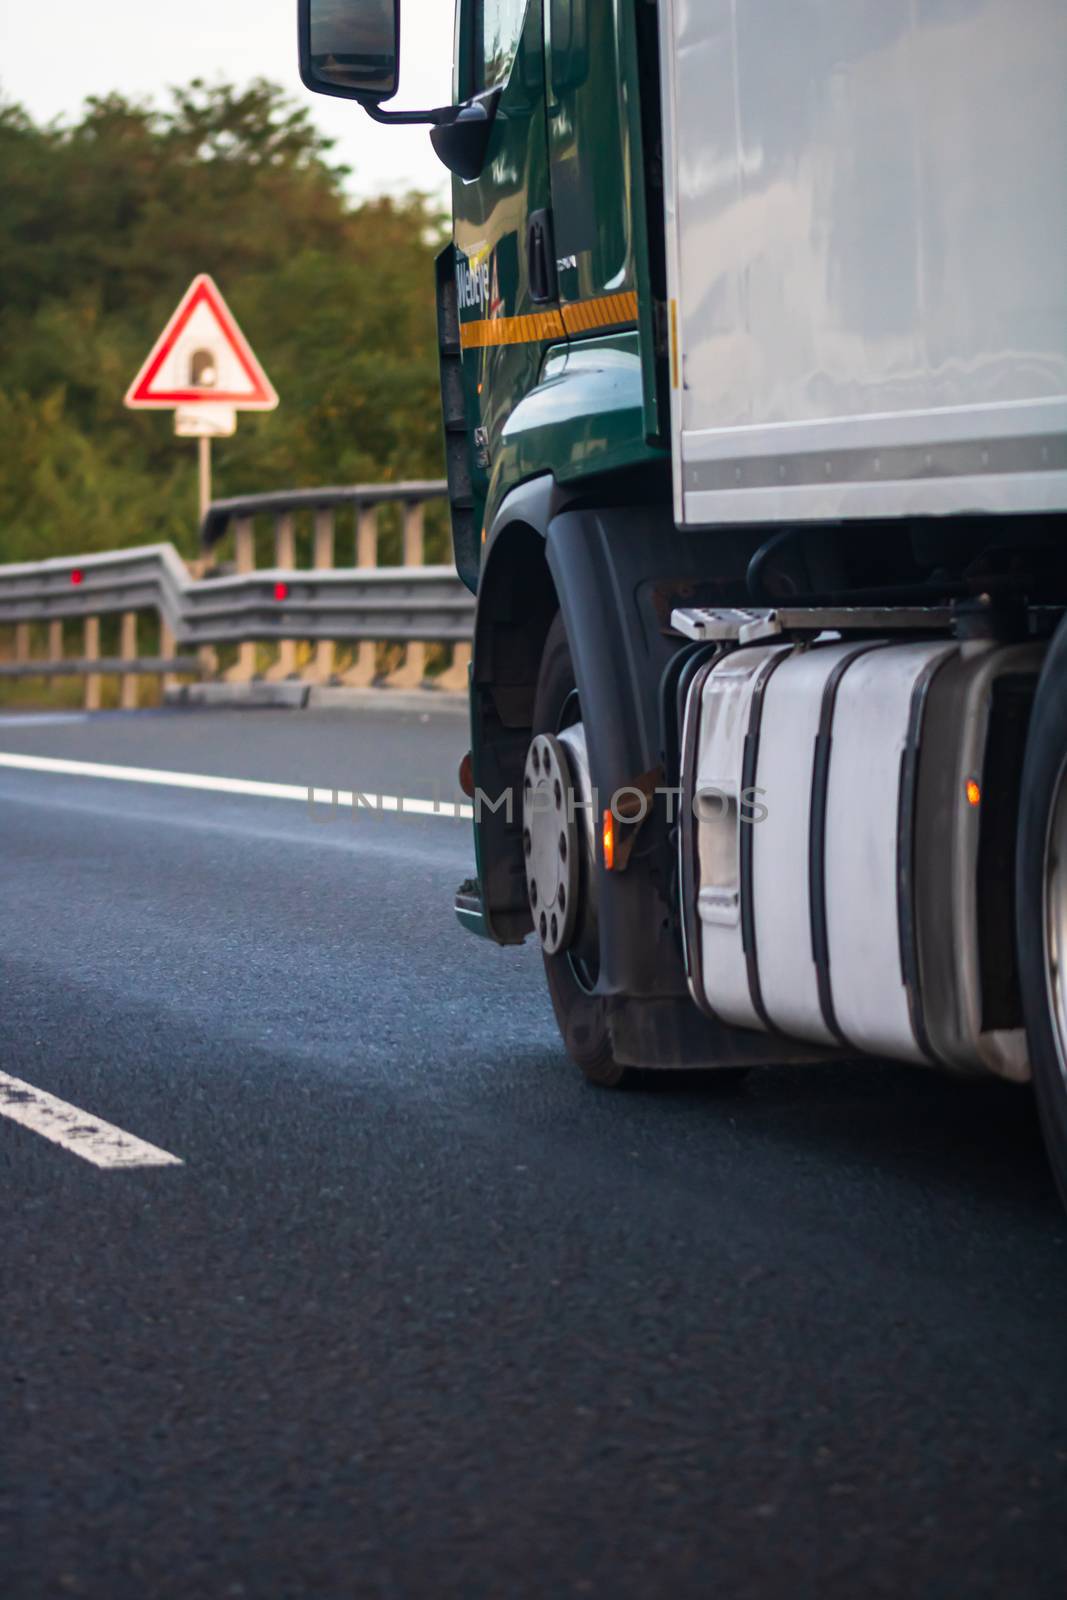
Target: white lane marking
x,y
76,1131
305,794
37,719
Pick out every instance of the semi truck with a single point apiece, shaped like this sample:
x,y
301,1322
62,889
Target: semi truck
x,y
753,346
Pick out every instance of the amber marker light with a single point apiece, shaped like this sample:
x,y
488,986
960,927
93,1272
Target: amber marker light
x,y
974,793
609,840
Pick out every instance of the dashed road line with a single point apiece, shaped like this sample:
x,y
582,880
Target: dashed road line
x,y
83,1135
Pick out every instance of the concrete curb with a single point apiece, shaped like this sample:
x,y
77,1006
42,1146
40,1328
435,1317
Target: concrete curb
x,y
295,696
234,696
329,698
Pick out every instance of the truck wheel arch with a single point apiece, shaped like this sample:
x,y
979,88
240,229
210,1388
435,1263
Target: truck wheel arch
x,y
517,602
607,568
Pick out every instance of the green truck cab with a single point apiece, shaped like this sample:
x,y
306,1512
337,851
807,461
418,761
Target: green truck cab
x,y
550,251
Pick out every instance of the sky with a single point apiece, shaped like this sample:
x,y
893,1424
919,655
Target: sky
x,y
55,52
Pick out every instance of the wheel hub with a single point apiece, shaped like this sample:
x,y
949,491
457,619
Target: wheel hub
x,y
551,842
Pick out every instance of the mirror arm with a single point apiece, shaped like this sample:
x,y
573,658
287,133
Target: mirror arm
x,y
439,115
481,109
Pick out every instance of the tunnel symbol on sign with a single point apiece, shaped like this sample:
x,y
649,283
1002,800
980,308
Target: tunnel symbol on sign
x,y
203,372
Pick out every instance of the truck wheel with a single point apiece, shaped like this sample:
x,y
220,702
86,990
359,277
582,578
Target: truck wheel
x,y
1041,903
561,858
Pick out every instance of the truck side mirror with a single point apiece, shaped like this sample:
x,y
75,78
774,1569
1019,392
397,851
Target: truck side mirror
x,y
350,48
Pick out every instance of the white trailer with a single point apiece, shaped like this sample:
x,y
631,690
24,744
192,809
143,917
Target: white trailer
x,y
867,257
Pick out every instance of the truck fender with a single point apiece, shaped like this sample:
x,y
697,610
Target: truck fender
x,y
615,571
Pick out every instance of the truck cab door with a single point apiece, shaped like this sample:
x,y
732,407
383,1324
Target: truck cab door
x,y
504,262
591,162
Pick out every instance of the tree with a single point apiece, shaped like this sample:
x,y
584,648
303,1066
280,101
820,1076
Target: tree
x,y
105,222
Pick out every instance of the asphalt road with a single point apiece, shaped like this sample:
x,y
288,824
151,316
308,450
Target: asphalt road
x,y
421,1314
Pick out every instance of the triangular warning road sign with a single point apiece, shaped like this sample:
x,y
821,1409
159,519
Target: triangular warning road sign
x,y
202,358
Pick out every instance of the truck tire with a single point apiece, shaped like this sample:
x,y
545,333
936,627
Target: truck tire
x,y
582,1017
1041,903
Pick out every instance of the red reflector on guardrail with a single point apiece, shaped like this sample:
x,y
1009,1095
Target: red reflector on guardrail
x,y
281,591
77,576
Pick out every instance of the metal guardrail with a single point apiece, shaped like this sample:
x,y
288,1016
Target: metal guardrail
x,y
403,603
284,605
75,667
357,496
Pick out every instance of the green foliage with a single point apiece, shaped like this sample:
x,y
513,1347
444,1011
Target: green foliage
x,y
105,222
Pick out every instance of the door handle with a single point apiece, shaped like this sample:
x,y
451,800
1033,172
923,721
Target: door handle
x,y
541,257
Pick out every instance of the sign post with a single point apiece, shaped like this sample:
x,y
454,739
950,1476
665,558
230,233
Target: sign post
x,y
204,370
204,443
